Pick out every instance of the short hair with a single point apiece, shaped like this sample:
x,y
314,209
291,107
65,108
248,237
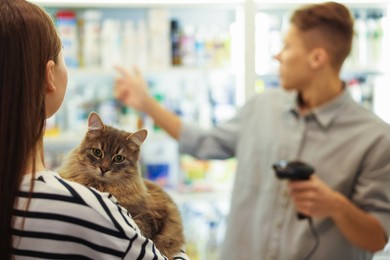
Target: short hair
x,y
331,20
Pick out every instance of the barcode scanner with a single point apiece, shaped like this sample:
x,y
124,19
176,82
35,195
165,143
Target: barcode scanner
x,y
298,171
294,171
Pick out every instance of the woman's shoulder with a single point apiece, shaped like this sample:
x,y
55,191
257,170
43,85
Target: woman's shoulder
x,y
91,222
49,189
52,184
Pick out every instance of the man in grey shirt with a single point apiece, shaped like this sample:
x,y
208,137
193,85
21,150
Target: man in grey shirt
x,y
312,119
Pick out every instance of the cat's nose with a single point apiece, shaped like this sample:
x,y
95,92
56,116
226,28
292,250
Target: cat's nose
x,y
104,169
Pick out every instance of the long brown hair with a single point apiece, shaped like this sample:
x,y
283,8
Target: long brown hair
x,y
28,40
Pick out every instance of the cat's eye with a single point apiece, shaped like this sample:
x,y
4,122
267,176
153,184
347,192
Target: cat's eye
x,y
118,158
97,152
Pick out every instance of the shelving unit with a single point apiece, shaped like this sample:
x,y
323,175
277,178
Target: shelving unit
x,y
212,13
90,88
285,4
245,11
137,3
194,82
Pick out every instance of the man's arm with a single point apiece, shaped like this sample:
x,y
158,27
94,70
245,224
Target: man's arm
x,y
316,199
165,119
358,226
132,90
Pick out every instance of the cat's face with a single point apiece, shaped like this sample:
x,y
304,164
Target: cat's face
x,y
108,155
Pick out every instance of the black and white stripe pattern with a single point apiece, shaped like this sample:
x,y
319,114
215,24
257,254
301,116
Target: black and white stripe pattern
x,y
66,220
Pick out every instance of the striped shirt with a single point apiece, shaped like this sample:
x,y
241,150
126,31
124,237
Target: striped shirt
x,y
66,220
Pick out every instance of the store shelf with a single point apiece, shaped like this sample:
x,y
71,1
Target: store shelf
x,y
277,4
63,142
200,197
136,3
344,72
181,3
102,72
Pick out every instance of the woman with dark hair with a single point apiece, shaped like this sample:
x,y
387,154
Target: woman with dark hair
x,y
42,215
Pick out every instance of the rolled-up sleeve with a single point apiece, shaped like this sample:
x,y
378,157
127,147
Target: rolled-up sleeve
x,y
372,190
217,143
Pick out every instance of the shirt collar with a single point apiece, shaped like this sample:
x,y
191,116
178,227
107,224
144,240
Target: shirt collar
x,y
326,113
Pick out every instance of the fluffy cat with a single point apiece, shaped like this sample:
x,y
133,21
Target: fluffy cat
x,y
107,159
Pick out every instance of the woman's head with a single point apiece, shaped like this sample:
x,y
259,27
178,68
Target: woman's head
x,y
29,41
30,66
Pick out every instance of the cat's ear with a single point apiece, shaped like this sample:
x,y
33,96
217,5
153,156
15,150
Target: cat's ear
x,y
94,122
138,137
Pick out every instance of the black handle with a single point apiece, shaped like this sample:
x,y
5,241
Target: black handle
x,y
293,171
301,216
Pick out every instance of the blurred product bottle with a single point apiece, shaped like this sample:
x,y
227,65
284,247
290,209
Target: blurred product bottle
x,y
128,119
159,43
371,38
361,38
175,43
142,45
212,245
381,105
111,43
109,112
384,24
194,172
193,225
92,32
367,92
200,36
187,46
353,57
275,41
129,44
67,28
160,154
210,46
51,128
377,48
76,115
263,53
222,97
355,90
160,158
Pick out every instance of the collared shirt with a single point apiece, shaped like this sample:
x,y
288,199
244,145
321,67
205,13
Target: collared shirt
x,y
66,220
348,146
